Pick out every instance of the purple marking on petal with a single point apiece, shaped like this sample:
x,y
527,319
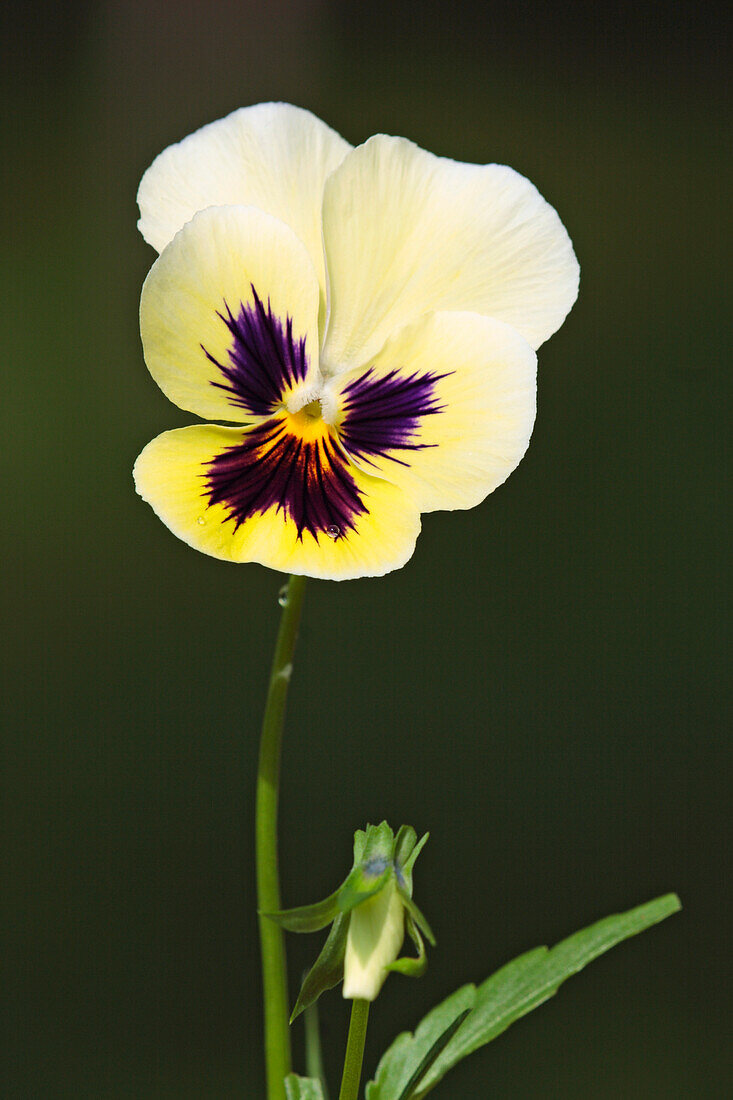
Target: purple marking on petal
x,y
309,481
382,414
265,359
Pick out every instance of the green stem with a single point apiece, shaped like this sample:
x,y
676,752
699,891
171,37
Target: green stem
x,y
313,1054
354,1050
274,978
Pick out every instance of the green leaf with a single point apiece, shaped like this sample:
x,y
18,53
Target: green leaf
x,y
408,1052
438,1046
328,969
509,994
302,1088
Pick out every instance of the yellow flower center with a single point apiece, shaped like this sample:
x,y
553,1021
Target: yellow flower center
x,y
307,423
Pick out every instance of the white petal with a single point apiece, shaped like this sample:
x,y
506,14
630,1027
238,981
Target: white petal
x,y
407,232
272,155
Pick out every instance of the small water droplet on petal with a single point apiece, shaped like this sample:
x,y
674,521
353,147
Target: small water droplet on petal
x,y
201,521
333,531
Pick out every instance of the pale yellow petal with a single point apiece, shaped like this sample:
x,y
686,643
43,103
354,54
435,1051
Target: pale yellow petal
x,y
373,942
407,232
445,411
220,265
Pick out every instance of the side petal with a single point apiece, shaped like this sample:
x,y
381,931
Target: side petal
x,y
231,494
445,411
407,232
273,156
229,315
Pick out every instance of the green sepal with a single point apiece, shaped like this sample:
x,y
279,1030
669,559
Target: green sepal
x,y
407,865
410,966
416,915
510,993
302,1088
359,844
405,841
361,885
308,918
372,868
377,842
328,969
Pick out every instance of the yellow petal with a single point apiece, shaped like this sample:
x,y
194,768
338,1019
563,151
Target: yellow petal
x,y
229,315
407,232
273,156
445,411
174,475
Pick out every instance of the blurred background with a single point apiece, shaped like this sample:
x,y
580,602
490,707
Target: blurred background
x,y
543,687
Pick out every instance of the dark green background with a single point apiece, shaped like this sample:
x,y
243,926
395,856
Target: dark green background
x,y
543,686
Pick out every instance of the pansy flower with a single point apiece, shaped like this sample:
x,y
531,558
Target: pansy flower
x,y
359,323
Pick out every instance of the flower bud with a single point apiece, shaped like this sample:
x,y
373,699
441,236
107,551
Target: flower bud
x,y
369,915
376,932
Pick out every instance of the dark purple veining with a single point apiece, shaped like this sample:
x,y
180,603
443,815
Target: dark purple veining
x,y
265,359
309,481
382,414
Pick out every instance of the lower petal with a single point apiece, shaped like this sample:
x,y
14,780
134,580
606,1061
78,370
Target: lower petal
x,y
242,497
445,411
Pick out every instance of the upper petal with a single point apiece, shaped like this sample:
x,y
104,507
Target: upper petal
x,y
445,411
406,232
229,315
273,156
